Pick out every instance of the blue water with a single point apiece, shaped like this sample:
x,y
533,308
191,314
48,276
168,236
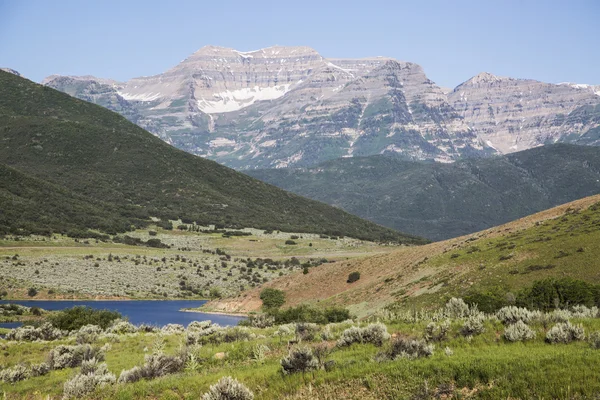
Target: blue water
x,y
153,312
10,325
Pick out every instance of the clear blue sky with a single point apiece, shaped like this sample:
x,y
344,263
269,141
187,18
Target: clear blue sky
x,y
552,41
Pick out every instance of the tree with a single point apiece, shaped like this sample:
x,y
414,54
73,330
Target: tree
x,y
353,277
272,298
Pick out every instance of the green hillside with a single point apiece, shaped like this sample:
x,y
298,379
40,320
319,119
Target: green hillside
x,y
440,201
30,205
110,162
533,259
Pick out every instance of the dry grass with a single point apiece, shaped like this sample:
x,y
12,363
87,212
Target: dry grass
x,y
408,271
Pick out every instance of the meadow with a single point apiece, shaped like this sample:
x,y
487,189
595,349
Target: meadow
x,y
453,352
188,263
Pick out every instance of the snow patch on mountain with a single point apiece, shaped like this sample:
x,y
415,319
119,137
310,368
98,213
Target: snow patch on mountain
x,y
233,100
221,142
139,97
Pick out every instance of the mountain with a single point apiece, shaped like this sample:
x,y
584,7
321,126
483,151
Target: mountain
x,y
556,243
284,106
440,201
102,157
517,114
289,106
12,71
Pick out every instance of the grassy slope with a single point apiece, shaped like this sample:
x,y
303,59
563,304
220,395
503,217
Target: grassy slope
x,y
99,154
428,275
29,202
440,201
486,367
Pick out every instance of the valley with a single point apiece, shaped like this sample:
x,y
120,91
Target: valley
x,y
559,242
440,201
190,265
275,224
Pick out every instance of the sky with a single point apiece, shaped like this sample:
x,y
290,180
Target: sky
x,y
453,40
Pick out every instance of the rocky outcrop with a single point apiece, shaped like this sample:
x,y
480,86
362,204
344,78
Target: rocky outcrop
x,y
517,114
11,71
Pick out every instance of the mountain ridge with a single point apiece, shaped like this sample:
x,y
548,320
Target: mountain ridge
x,y
100,155
289,106
440,201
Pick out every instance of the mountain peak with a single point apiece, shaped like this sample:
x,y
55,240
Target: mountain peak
x,y
11,71
267,52
83,78
484,77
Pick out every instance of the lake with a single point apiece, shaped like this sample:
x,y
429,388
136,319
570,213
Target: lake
x,y
152,312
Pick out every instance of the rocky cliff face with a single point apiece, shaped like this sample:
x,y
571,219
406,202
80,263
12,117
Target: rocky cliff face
x,y
289,106
517,114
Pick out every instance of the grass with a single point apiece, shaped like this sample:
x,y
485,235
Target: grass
x,y
564,238
78,268
485,367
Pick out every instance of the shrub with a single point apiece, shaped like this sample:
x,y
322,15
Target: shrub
x,y
407,348
30,333
146,328
594,340
305,313
92,375
290,242
65,356
456,308
353,277
88,334
306,330
374,333
74,318
511,315
518,331
489,301
230,335
130,375
553,293
31,292
121,327
473,325
196,330
299,360
581,311
272,298
40,369
436,333
170,329
321,351
228,388
259,352
259,321
14,374
558,315
350,336
564,332
155,366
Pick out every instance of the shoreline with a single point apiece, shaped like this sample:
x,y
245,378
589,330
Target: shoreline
x,y
110,299
223,313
